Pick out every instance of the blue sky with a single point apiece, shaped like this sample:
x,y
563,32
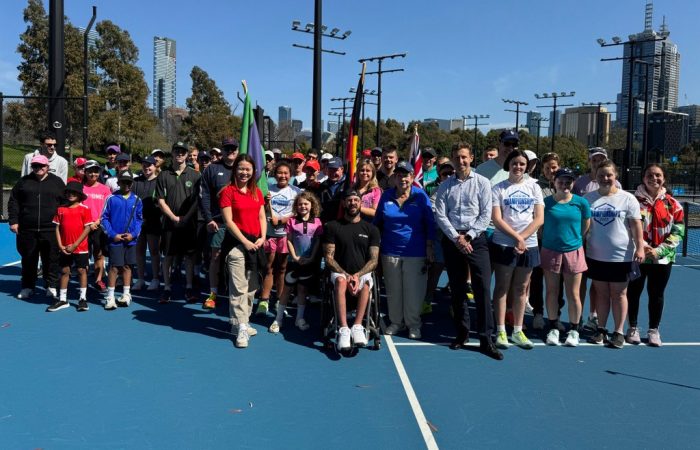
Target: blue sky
x,y
463,56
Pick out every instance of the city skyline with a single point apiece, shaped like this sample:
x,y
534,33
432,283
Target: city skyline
x,y
441,79
164,87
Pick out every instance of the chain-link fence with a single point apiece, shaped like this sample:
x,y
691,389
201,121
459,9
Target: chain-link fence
x,y
691,243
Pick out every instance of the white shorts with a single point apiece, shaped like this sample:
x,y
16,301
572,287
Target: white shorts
x,y
366,278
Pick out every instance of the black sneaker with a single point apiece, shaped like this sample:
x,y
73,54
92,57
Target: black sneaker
x,y
58,305
83,305
165,297
617,340
600,336
190,296
459,341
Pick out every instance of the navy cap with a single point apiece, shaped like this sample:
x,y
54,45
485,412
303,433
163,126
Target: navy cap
x,y
123,157
594,151
564,172
180,146
229,142
377,151
404,166
335,163
509,135
149,160
203,155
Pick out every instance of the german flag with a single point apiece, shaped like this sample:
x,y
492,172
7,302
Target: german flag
x,y
351,150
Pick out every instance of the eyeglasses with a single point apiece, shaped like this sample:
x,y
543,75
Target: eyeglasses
x,y
49,145
38,166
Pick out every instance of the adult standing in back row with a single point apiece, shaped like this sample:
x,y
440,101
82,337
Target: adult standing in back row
x,y
57,164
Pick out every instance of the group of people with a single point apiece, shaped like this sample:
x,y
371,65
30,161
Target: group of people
x,y
494,219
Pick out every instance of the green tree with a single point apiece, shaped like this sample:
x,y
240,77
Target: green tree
x,y
209,119
120,112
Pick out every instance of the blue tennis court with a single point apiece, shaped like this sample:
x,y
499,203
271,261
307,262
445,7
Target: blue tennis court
x,y
168,376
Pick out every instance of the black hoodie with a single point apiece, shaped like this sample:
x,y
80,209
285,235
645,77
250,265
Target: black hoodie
x,y
33,203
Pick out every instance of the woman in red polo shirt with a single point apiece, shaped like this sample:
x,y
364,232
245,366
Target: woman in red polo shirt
x,y
242,206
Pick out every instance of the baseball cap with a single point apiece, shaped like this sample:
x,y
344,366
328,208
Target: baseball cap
x,y
404,166
229,142
597,151
149,160
113,148
79,162
269,154
312,164
40,159
123,157
179,145
91,164
446,164
564,172
76,186
335,163
276,151
297,155
531,156
377,151
326,157
351,193
203,155
215,150
367,153
125,176
509,135
429,151
158,151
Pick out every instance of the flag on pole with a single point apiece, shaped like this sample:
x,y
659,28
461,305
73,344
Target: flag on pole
x,y
416,158
353,129
250,142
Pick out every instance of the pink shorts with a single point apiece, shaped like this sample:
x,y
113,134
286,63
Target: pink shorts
x,y
558,262
276,245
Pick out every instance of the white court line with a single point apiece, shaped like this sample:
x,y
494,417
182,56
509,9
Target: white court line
x,y
11,264
412,399
541,344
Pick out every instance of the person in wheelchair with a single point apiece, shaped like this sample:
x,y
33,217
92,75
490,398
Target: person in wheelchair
x,y
351,249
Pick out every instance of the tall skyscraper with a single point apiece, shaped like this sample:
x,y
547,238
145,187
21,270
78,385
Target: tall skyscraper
x,y
531,120
164,75
662,82
285,114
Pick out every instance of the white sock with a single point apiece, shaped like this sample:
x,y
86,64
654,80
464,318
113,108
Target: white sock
x,y
83,292
127,289
517,329
300,312
500,328
110,291
63,294
280,312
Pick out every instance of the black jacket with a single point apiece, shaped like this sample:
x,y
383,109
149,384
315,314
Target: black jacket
x,y
34,203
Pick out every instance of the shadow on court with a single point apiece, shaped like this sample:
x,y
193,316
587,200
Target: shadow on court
x,y
669,383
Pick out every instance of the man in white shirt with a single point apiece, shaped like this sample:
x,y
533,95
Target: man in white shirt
x,y
57,163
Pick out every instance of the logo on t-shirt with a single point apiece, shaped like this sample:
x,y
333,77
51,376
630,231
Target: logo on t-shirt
x,y
604,214
519,201
363,236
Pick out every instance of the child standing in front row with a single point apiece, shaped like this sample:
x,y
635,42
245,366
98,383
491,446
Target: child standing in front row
x,y
72,227
122,218
303,232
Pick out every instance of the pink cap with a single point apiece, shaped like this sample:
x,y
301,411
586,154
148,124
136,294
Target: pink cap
x,y
79,162
40,159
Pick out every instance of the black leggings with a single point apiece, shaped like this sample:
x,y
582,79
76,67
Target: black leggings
x,y
658,276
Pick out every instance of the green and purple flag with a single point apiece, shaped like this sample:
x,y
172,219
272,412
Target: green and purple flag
x,y
250,142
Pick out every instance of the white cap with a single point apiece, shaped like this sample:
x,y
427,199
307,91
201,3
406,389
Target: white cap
x,y
326,156
531,156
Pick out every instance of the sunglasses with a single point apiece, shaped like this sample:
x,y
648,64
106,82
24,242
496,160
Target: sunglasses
x,y
38,166
49,145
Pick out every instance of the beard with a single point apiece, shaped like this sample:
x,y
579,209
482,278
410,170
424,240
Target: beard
x,y
352,212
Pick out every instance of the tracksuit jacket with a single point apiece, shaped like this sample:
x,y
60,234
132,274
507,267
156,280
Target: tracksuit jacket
x,y
115,216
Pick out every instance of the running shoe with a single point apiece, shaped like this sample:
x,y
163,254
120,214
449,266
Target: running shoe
x,y
138,285
358,336
25,293
538,322
343,338
521,340
190,296
263,307
83,305
154,285
414,333
470,291
101,286
124,301
110,304
251,331
654,338
528,308
591,323
632,336
393,329
502,340
242,338
274,328
600,336
572,339
617,340
553,337
302,324
427,308
165,297
61,304
210,302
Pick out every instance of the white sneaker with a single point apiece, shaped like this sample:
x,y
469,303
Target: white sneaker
x,y
125,300
572,339
302,324
251,331
553,337
528,308
110,304
538,322
138,285
25,293
242,338
274,328
343,338
393,329
52,292
154,285
414,333
358,335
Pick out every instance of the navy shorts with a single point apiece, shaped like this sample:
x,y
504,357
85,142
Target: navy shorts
x,y
506,256
122,255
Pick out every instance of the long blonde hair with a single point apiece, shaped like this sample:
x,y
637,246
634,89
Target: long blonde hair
x,y
372,181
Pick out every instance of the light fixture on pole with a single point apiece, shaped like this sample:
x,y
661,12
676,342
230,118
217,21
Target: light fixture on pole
x,y
554,96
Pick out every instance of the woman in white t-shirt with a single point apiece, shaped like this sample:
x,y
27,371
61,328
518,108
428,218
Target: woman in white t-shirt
x,y
614,246
518,211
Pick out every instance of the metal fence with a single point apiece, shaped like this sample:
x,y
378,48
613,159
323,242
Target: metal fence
x,y
691,242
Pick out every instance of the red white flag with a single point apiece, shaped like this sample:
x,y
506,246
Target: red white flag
x,y
415,158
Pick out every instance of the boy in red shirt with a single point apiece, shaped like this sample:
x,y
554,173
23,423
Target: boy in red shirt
x,y
72,227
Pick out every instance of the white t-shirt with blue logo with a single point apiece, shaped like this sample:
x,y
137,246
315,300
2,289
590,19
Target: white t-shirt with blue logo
x,y
281,203
517,202
610,237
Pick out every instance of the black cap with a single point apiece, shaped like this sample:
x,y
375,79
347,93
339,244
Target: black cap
x,y
180,146
404,166
77,187
149,159
564,172
429,151
203,155
229,142
123,157
351,193
449,164
125,176
376,151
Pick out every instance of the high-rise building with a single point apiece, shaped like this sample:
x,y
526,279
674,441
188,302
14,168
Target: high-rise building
x,y
668,133
693,112
587,125
532,118
663,70
297,125
456,124
285,114
443,124
164,75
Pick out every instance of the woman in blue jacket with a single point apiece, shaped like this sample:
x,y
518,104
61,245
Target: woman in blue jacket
x,y
405,218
